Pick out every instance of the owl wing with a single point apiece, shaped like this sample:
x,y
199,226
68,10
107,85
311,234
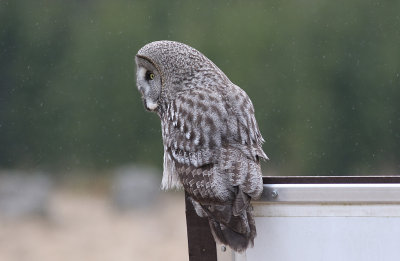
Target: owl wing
x,y
194,132
247,137
202,128
196,127
200,123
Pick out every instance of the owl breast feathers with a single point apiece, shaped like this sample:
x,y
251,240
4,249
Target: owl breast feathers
x,y
212,143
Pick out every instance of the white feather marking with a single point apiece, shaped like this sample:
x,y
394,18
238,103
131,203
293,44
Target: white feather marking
x,y
170,179
197,138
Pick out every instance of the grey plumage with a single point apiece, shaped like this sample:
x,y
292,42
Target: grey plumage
x,y
212,143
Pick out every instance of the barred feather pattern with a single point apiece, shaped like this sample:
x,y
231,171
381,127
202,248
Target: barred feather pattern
x,y
212,143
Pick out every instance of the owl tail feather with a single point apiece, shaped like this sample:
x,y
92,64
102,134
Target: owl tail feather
x,y
238,233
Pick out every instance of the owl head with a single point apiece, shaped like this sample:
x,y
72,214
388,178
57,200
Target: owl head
x,y
165,68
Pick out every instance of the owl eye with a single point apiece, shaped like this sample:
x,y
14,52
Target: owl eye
x,y
149,75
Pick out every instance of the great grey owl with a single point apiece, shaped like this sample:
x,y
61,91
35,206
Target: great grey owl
x,y
212,143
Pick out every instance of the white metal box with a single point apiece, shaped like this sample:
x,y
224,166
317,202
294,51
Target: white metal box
x,y
325,222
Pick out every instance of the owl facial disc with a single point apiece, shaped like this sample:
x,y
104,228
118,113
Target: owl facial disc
x,y
145,85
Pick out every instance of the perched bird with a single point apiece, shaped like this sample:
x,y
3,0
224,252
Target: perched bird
x,y
212,143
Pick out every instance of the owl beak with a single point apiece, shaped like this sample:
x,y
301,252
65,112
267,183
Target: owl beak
x,y
145,104
150,105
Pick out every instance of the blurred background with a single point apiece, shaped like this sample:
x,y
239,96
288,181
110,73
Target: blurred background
x,y
81,158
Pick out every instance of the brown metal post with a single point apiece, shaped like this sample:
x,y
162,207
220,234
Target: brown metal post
x,y
200,240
